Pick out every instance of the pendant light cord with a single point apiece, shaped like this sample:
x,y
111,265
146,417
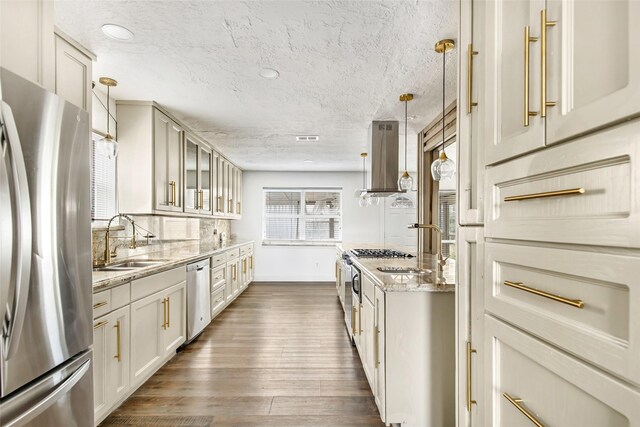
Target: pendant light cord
x,y
405,134
444,56
108,115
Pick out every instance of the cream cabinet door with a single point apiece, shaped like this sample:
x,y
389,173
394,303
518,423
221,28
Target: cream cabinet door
x,y
191,174
368,341
251,270
593,71
470,313
101,366
229,294
176,331
379,353
206,180
119,356
239,192
513,125
27,45
73,74
472,55
148,319
167,140
531,379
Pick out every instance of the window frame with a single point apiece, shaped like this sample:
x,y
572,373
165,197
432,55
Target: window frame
x,y
96,136
303,216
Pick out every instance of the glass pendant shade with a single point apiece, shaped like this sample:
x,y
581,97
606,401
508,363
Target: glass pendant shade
x,y
405,182
402,202
364,201
108,146
443,167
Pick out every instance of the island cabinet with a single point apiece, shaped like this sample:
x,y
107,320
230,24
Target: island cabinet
x,y
406,343
158,321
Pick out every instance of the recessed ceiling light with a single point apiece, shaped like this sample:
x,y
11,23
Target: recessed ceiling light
x,y
222,134
269,73
307,138
412,118
117,32
308,161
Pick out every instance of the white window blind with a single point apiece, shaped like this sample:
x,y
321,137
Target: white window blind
x,y
103,183
302,215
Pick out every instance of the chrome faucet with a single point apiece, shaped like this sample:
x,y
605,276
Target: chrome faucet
x,y
441,260
107,245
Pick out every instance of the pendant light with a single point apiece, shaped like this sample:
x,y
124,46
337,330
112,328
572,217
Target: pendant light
x,y
406,181
443,167
365,199
108,144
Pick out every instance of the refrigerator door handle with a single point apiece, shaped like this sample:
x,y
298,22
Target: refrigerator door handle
x,y
14,319
51,398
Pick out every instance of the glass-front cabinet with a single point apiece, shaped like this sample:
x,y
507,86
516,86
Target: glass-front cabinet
x,y
198,177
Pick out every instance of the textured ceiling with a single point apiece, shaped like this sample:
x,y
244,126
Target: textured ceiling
x,y
342,64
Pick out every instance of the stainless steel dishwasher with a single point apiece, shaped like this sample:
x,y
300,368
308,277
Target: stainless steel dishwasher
x,y
198,298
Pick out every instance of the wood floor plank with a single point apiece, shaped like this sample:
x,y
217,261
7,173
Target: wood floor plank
x,y
277,356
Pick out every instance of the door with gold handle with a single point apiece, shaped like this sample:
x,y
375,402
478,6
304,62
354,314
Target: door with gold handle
x,y
118,352
528,39
544,23
470,54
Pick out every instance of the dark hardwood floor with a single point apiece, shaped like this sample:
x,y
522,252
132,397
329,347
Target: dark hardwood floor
x,y
277,356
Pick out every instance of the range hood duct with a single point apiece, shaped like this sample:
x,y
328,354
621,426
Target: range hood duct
x,y
382,161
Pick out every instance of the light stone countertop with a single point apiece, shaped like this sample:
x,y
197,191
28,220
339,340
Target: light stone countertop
x,y
392,282
172,257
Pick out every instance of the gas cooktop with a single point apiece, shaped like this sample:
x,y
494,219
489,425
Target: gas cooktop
x,y
379,253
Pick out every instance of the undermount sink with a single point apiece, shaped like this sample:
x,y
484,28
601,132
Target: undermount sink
x,y
129,265
403,270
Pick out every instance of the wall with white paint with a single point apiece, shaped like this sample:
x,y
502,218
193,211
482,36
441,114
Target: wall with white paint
x,y
304,263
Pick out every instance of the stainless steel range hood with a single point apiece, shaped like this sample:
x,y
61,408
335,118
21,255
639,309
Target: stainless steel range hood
x,y
382,160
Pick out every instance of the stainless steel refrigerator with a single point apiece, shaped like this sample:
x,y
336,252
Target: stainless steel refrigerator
x,y
45,254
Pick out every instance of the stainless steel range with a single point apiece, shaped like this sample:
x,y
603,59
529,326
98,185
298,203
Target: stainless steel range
x,y
379,253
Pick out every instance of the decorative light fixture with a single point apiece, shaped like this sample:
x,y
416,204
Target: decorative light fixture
x,y
269,73
364,198
405,182
108,144
443,167
117,32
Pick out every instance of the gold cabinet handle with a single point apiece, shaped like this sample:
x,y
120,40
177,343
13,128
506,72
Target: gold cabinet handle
x,y
568,192
470,401
527,41
168,312
201,199
244,265
234,269
577,303
251,262
239,206
117,356
100,304
172,184
100,324
376,350
164,313
230,205
360,320
470,54
353,320
516,402
219,204
543,63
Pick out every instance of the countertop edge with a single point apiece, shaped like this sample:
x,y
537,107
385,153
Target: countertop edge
x,y
108,283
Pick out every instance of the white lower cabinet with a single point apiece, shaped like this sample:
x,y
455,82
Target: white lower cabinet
x,y
379,353
157,329
532,381
111,358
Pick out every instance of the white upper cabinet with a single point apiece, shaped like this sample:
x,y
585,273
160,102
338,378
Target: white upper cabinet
x,y
27,45
168,142
593,55
512,75
472,55
73,73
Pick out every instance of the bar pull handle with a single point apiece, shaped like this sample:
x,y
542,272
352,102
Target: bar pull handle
x,y
230,205
168,312
376,349
470,401
527,41
100,324
219,204
239,210
516,402
545,194
172,185
251,262
244,265
353,320
470,54
360,320
117,356
201,199
164,313
99,304
543,63
577,303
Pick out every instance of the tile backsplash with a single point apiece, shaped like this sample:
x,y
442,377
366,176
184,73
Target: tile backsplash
x,y
164,229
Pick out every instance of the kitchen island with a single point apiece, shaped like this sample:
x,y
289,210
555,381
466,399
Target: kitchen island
x,y
403,326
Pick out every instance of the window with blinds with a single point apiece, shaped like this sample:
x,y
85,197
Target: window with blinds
x,y
302,215
103,183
